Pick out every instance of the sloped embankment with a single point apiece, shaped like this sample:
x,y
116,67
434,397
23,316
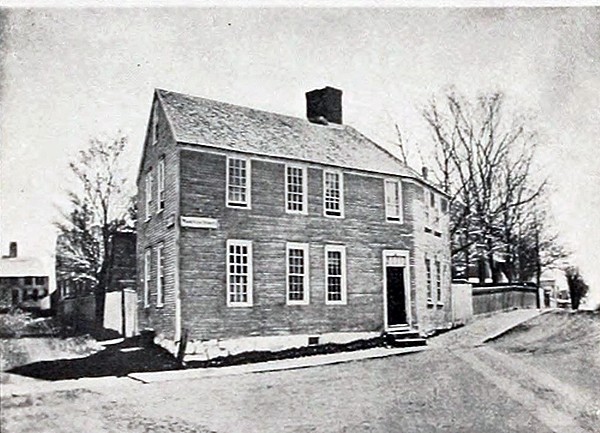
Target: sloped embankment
x,y
564,343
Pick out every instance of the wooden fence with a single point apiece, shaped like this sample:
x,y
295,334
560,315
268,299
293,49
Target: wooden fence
x,y
489,299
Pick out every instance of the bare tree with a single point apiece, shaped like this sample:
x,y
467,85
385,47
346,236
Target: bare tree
x,y
100,205
578,288
484,162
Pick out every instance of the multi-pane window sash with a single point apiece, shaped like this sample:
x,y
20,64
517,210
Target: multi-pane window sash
x,y
149,194
161,184
147,264
335,258
393,200
239,273
297,273
438,281
160,278
295,189
429,280
333,194
238,182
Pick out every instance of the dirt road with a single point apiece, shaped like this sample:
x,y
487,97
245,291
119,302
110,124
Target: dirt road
x,y
456,386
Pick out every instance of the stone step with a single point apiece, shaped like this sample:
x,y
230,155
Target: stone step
x,y
398,335
409,342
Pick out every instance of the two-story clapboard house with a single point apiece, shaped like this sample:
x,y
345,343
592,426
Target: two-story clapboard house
x,y
255,226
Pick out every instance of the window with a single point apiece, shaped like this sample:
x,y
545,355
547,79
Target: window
x,y
436,211
238,182
295,189
438,281
161,184
333,193
149,194
429,280
147,263
297,273
39,281
335,267
155,124
28,281
393,200
239,273
444,205
160,277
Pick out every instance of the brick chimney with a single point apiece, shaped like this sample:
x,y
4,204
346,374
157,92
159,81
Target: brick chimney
x,y
324,106
12,250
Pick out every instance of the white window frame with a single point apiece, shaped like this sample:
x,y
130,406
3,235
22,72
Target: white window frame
x,y
438,282
160,275
305,275
249,281
399,218
429,279
246,204
147,276
327,212
304,171
149,194
343,283
161,184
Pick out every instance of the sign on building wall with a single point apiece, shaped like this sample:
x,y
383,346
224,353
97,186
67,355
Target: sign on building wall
x,y
199,222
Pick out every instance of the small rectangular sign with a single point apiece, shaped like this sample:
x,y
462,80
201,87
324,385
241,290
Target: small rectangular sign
x,y
199,222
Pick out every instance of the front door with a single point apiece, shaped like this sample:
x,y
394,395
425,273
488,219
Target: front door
x,y
396,300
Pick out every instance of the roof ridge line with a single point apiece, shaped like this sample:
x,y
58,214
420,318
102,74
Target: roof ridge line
x,y
246,107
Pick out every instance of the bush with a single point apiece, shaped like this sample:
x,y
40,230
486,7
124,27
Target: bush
x,y
17,324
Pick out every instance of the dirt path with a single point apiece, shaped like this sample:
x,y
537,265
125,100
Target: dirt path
x,y
558,406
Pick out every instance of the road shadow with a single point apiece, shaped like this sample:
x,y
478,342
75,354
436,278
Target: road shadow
x,y
128,356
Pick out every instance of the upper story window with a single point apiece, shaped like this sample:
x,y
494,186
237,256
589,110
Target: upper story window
x,y
147,264
297,273
335,277
435,210
239,273
161,184
155,124
149,194
238,182
333,193
444,205
393,200
160,276
295,189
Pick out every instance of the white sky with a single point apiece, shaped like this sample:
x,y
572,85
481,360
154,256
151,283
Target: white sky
x,y
72,74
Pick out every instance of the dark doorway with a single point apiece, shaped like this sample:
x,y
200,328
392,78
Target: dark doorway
x,y
396,301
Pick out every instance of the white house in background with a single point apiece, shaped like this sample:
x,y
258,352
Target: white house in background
x,y
25,282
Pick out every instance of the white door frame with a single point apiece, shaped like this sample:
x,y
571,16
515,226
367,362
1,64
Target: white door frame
x,y
407,298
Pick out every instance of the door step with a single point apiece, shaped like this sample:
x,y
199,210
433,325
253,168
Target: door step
x,y
404,337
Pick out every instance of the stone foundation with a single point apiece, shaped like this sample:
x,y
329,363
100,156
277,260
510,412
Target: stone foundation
x,y
204,350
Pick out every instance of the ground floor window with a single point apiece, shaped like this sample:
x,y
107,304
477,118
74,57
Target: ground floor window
x,y
239,273
438,281
297,273
147,264
335,268
160,278
429,280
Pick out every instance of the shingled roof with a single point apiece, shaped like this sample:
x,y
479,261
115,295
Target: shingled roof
x,y
212,123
